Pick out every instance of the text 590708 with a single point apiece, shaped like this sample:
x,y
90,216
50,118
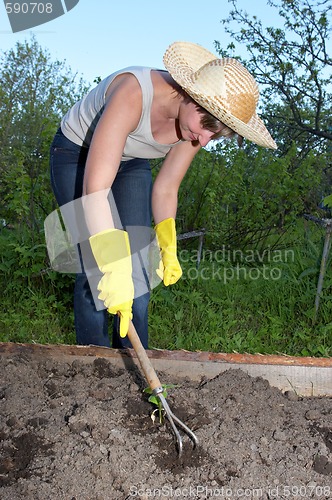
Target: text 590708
x,y
29,8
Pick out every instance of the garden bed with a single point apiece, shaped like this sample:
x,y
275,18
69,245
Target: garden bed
x,y
75,424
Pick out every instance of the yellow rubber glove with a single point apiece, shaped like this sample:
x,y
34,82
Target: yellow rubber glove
x,y
111,249
169,268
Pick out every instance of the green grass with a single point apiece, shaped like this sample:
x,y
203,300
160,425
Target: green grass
x,y
246,305
264,307
36,318
220,320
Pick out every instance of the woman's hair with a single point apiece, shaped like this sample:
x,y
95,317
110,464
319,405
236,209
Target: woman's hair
x,y
208,121
211,123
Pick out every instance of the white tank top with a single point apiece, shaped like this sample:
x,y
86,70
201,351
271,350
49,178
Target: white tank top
x,y
80,121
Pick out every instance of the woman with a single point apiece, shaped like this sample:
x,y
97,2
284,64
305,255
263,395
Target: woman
x,y
105,142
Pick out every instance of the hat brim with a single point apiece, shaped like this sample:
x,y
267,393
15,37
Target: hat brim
x,y
182,60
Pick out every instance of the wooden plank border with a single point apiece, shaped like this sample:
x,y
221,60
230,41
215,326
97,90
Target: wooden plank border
x,y
306,376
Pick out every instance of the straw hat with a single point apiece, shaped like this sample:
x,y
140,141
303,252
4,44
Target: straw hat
x,y
223,87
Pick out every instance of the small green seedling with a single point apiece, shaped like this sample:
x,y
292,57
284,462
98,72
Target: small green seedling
x,y
156,401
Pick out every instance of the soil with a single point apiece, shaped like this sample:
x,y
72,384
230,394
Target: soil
x,y
81,430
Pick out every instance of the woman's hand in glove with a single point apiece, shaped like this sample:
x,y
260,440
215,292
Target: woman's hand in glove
x,y
169,267
111,250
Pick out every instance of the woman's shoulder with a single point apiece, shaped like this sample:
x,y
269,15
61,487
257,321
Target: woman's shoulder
x,y
124,80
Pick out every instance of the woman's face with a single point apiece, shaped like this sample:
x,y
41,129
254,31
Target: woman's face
x,y
190,125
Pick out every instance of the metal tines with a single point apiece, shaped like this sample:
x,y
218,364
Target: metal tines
x,y
174,419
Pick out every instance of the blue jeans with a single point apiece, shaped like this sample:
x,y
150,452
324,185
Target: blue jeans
x,y
132,194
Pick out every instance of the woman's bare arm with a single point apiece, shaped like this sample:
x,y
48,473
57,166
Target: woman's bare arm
x,y
167,183
120,117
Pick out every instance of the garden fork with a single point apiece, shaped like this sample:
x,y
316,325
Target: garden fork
x,y
158,390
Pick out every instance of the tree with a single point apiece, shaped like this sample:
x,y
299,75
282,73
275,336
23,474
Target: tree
x,y
293,67
35,92
247,198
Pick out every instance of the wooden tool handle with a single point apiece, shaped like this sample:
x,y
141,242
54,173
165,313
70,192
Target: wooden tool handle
x,y
145,363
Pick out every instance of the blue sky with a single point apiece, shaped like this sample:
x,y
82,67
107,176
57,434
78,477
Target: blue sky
x,y
98,37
